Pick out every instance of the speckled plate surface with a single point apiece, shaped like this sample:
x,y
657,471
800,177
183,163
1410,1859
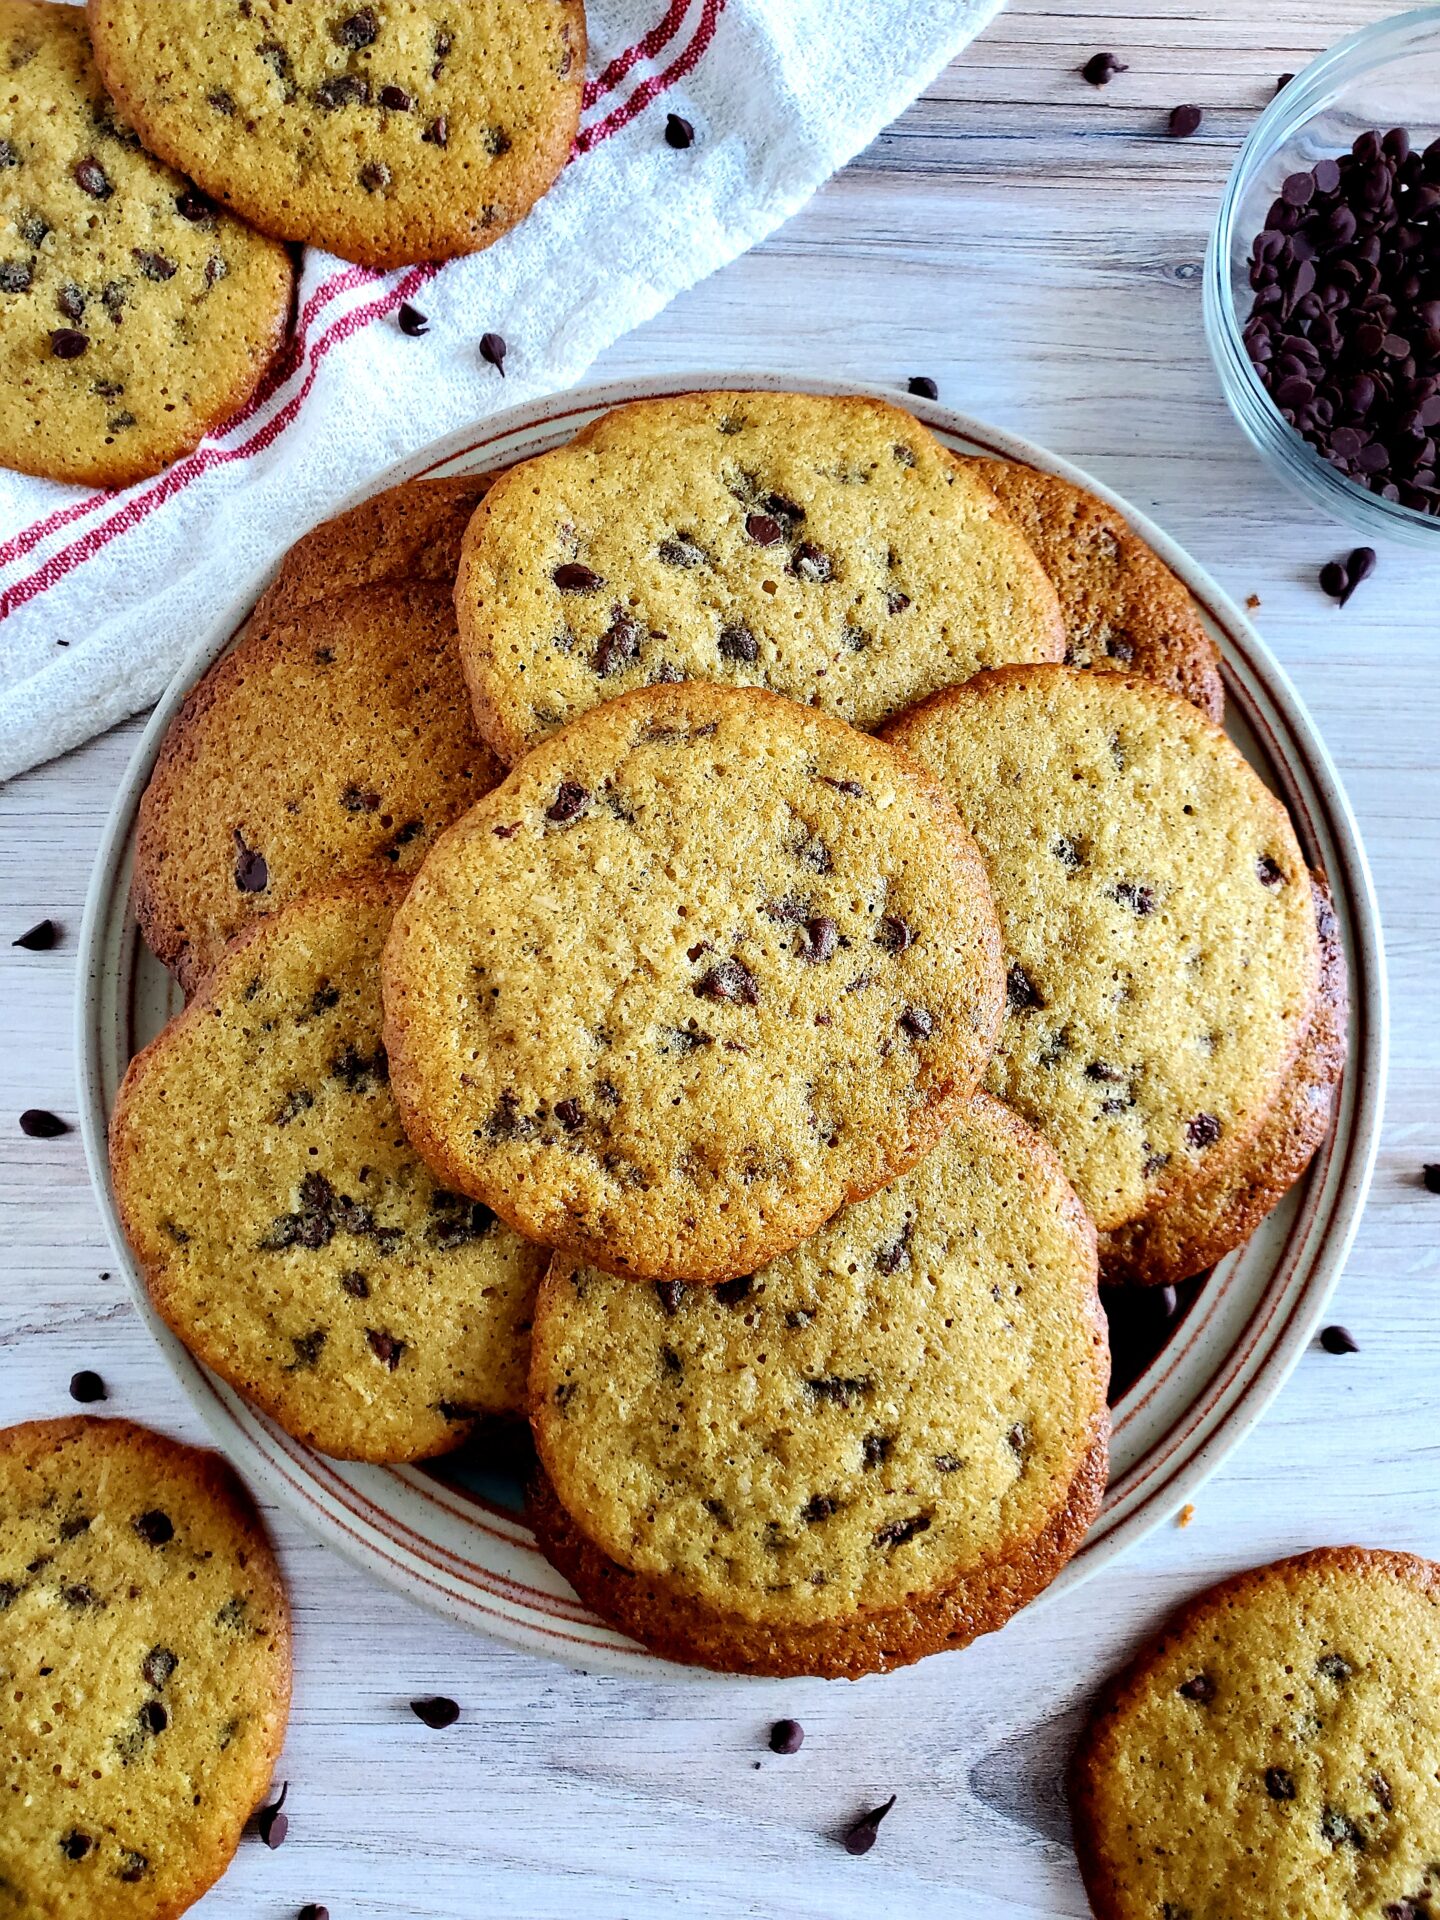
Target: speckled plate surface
x,y
453,1536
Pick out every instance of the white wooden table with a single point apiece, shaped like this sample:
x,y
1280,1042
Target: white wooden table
x,y
1035,246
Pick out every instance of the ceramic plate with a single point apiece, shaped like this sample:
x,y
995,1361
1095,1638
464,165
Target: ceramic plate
x,y
453,1536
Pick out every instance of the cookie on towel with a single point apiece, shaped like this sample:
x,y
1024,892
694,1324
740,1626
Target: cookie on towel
x,y
878,1446
134,316
407,130
705,966
1202,1226
1272,1751
286,1229
328,740
145,1646
1124,609
825,546
1155,908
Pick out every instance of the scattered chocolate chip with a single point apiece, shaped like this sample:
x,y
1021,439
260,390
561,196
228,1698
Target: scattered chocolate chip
x,y
895,1533
39,1124
155,1528
917,1022
67,344
678,132
356,30
732,1293
1199,1687
385,1347
1430,1176
616,648
1140,900
1338,1340
92,178
571,577
157,1667
922,386
1021,993
271,1823
893,935
570,1114
819,939
860,1836
1279,1784
738,643
1359,566
1269,872
813,565
153,1717
436,1712
395,99
222,102
16,276
154,266
437,134
1101,68
568,803
252,875
374,175
75,1845
87,1387
411,321
681,552
840,1392
729,980
133,1866
71,301
493,349
787,1736
1334,1667
763,529
1183,122
192,205
1202,1131
1340,1830
670,1293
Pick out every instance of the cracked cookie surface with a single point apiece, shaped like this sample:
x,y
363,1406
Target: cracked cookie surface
x,y
400,131
287,1230
887,1422
1272,1751
826,547
705,966
145,1650
134,314
1160,942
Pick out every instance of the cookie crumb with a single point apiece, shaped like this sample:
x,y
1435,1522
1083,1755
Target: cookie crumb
x,y
1185,1515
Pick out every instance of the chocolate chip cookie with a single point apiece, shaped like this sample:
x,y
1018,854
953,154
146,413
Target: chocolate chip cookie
x,y
1160,941
145,1645
706,966
334,737
1124,609
134,315
285,1227
877,1446
1202,1226
407,130
826,547
1272,1751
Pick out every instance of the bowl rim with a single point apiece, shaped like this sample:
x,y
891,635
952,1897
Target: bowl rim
x,y
1283,446
1245,1378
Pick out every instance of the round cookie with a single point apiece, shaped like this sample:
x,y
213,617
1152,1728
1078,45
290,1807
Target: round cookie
x,y
407,130
1202,1226
145,1653
826,547
879,1445
329,740
706,966
1272,1752
1160,941
287,1230
134,316
1124,609
410,532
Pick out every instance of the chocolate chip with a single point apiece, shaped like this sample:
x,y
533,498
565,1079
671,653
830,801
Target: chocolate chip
x,y
87,1387
374,175
16,276
155,1527
812,564
154,266
192,205
1359,566
836,1389
395,99
356,30
1183,122
763,529
670,1293
1334,1667
67,344
738,643
1021,993
493,349
1340,1830
922,386
1279,1784
732,1293
917,1022
436,1712
222,102
437,134
1140,900
133,1866
75,1845
568,804
411,321
80,1597
1430,1176
8,155
271,1823
1101,68
1269,872
1203,1130
92,178
570,1114
39,1124
895,1533
571,577
681,552
896,602
860,1836
252,875
617,646
787,1736
1199,1687
819,939
817,1508
729,980
893,935
1338,1340
157,1667
678,132
153,1717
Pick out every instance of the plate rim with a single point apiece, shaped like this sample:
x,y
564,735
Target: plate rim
x,y
1247,1393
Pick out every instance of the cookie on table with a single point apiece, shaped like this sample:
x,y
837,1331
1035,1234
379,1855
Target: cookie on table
x,y
1272,1751
145,1647
410,532
878,1446
286,1229
331,739
407,130
826,547
707,965
1155,909
1202,1226
1124,609
134,316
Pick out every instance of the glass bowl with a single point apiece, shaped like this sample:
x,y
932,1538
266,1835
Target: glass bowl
x,y
1387,75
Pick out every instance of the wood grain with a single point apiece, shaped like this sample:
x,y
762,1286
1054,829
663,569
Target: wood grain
x,y
1035,246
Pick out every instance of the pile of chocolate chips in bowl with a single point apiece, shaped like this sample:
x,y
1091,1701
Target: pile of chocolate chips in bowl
x,y
1345,326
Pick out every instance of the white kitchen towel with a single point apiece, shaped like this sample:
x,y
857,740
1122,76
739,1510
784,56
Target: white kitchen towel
x,y
102,595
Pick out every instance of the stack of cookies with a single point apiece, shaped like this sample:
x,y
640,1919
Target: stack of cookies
x,y
155,156
716,940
